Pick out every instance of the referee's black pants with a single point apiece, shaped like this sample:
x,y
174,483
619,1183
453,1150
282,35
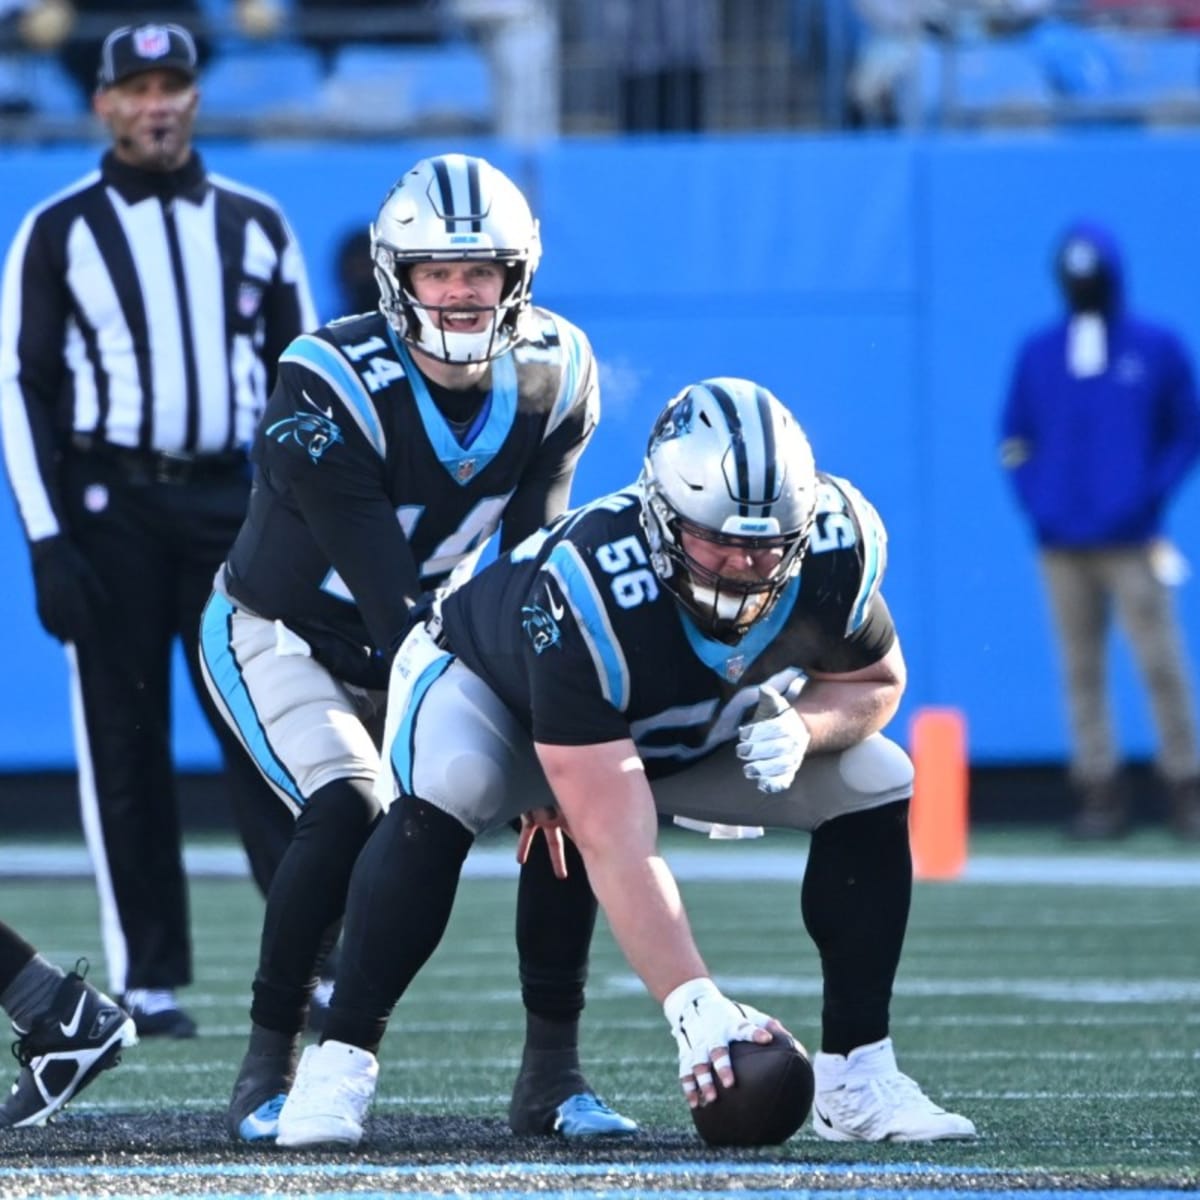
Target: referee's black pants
x,y
155,546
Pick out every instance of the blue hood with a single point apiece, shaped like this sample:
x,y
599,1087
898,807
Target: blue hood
x,y
1108,250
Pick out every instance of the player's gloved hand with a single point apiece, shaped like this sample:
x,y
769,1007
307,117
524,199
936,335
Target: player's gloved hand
x,y
361,666
553,827
70,596
704,1022
773,745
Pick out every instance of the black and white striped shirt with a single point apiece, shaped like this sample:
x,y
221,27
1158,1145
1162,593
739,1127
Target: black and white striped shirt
x,y
143,310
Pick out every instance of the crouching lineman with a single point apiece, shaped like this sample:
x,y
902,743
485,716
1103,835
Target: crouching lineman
x,y
624,653
393,446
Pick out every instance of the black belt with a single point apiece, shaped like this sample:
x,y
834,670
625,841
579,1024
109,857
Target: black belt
x,y
161,466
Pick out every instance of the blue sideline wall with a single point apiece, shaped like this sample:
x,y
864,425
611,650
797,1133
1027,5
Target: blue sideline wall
x,y
880,286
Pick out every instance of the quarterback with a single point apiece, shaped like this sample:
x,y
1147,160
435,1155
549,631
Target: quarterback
x,y
393,446
710,643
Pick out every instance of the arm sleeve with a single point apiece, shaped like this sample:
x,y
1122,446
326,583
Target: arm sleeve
x,y
866,645
342,499
1179,434
567,703
288,309
545,489
33,317
1017,434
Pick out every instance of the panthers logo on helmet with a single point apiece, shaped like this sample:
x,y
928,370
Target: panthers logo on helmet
x,y
676,421
310,430
540,628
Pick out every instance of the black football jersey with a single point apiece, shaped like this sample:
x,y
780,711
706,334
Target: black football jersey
x,y
576,633
368,494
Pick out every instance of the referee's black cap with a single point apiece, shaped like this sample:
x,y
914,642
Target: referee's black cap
x,y
135,48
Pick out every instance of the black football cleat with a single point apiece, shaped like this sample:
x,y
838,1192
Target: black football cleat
x,y
82,1034
556,1101
157,1014
264,1079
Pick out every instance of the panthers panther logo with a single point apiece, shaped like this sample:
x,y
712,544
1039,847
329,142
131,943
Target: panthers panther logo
x,y
675,422
310,430
540,627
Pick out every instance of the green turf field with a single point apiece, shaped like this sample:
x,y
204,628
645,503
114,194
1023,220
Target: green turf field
x,y
1059,1009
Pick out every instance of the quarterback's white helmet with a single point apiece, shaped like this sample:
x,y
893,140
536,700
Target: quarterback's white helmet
x,y
448,208
728,464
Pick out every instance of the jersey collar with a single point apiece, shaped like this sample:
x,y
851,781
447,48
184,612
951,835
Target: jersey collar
x,y
730,662
465,459
135,183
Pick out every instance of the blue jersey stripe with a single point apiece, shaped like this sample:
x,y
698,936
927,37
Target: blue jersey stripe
x,y
577,585
400,753
323,360
227,675
874,550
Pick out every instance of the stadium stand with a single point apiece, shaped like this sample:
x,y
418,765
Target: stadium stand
x,y
438,87
1081,62
276,80
989,81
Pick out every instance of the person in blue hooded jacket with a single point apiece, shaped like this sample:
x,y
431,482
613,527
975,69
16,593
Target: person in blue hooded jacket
x,y
1100,429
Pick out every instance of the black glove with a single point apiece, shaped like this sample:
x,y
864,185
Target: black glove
x,y
362,666
70,596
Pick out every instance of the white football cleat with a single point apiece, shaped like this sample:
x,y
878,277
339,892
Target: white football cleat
x,y
863,1097
328,1103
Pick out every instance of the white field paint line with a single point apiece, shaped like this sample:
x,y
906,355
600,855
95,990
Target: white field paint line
x,y
713,863
1091,991
671,1169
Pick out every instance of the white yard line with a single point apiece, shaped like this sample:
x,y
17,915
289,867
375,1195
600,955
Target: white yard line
x,y
717,863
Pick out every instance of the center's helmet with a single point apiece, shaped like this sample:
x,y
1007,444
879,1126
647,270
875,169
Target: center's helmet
x,y
450,208
728,464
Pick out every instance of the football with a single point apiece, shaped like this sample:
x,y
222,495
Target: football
x,y
769,1101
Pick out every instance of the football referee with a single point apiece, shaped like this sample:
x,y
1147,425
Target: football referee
x,y
144,308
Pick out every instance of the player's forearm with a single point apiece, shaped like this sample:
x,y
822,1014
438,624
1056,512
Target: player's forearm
x,y
840,715
605,799
645,912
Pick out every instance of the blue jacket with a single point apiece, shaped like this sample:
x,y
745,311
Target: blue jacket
x,y
1095,460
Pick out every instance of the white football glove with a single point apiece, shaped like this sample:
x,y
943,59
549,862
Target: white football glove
x,y
704,1022
773,746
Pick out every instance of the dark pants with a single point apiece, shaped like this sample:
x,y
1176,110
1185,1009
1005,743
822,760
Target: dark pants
x,y
155,546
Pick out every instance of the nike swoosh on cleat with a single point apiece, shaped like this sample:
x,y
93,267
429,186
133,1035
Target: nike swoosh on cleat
x,y
71,1028
263,1123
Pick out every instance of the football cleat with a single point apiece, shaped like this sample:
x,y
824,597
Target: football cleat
x,y
318,1005
261,1125
863,1097
328,1102
81,1034
262,1085
157,1013
585,1115
550,1096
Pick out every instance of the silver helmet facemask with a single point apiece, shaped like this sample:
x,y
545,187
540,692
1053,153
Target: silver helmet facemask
x,y
729,465
455,208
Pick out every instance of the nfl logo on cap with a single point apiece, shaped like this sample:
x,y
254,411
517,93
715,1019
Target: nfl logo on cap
x,y
132,49
151,41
